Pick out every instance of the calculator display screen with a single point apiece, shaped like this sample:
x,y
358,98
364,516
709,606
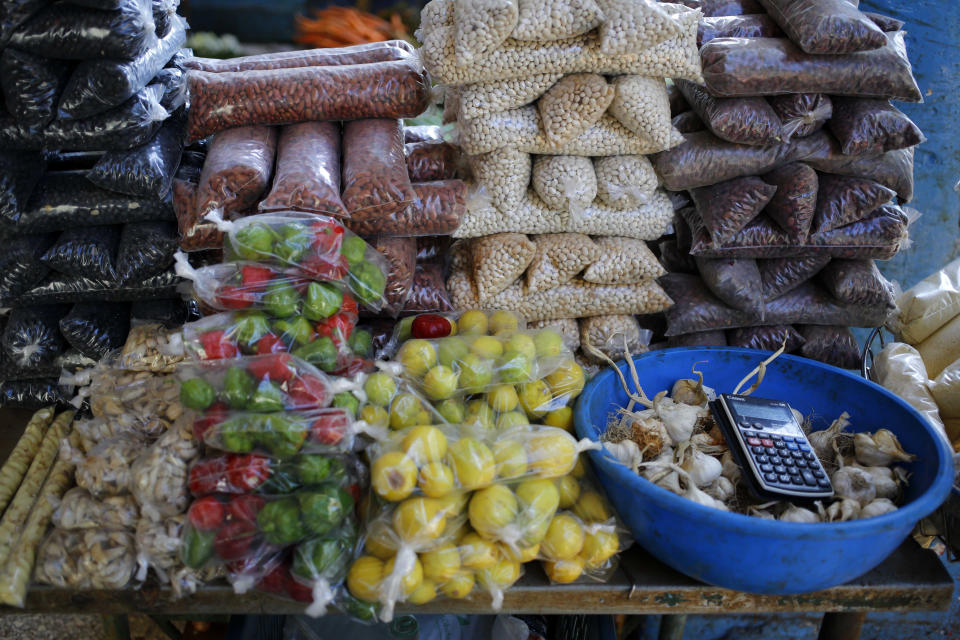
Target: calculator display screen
x,y
763,412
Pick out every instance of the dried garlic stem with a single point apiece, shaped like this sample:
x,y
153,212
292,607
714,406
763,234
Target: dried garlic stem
x,y
759,371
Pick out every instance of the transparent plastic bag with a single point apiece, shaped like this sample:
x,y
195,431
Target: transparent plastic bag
x,y
712,8
32,336
33,394
99,85
744,26
16,13
237,170
802,114
780,275
21,267
87,559
19,175
429,161
564,182
768,338
252,473
543,20
857,282
872,126
85,251
623,261
641,104
504,175
146,171
625,182
308,170
437,209
168,313
147,345
96,328
616,336
835,346
573,105
130,401
844,200
106,469
58,288
487,98
358,54
78,509
429,292
825,26
221,101
422,133
946,391
688,122
557,259
762,66
401,253
794,204
674,259
700,339
159,477
195,233
736,282
375,178
633,27
726,208
930,304
31,86
164,16
749,121
568,328
893,169
899,368
146,249
942,348
482,25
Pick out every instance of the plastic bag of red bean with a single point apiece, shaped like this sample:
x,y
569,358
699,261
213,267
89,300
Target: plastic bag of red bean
x,y
857,282
674,259
429,161
401,253
375,179
394,89
429,292
433,248
741,120
195,233
308,170
436,210
825,26
734,67
735,281
794,204
700,339
780,275
748,26
833,345
893,169
842,200
713,8
726,208
688,122
237,170
31,86
768,338
872,126
422,133
358,54
802,114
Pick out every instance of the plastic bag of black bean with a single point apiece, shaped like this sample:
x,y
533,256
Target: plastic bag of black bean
x,y
735,281
146,249
727,207
893,169
31,86
794,204
429,291
767,338
872,126
32,335
857,282
20,265
58,288
146,171
688,122
832,345
802,114
164,16
780,275
746,26
734,67
85,251
96,328
99,85
69,32
70,360
170,312
842,200
15,13
33,394
682,231
308,170
825,26
674,259
19,174
701,339
741,120
174,82
886,23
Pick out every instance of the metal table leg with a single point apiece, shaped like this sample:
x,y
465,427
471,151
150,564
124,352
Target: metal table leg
x,y
841,626
167,627
671,627
116,627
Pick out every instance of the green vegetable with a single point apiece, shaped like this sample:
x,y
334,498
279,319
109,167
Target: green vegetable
x,y
279,521
294,243
346,400
197,547
324,508
314,469
326,558
239,434
353,249
254,242
322,301
197,394
238,387
267,398
321,352
368,282
283,437
281,300
250,327
361,342
359,609
281,481
297,331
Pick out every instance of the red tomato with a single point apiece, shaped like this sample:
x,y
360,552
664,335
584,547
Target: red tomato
x,y
297,591
355,491
276,367
216,346
349,306
208,476
428,326
354,366
331,427
275,581
337,327
232,297
327,236
214,415
206,514
247,472
234,539
309,392
270,343
245,506
325,268
255,277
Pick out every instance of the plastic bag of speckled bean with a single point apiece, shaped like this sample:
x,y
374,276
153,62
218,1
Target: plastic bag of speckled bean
x,y
735,67
237,170
857,282
688,122
429,291
768,338
31,86
96,328
308,170
748,26
375,179
19,174
741,120
674,259
726,208
872,126
836,346
437,209
20,265
825,26
422,133
394,89
699,339
359,54
794,204
802,114
842,200
32,336
735,281
713,8
780,275
893,169
146,171
145,250
429,161
401,253
68,32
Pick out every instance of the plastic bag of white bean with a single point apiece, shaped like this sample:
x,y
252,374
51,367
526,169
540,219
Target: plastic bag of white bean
x,y
556,19
505,175
568,183
643,106
616,336
635,25
485,98
498,260
625,182
482,25
623,261
559,257
568,328
573,104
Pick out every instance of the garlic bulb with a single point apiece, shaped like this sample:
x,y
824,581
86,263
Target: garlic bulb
x,y
679,419
878,507
799,416
721,489
691,492
692,392
879,449
729,468
854,483
798,514
671,482
884,481
843,510
648,432
822,441
703,469
760,513
626,453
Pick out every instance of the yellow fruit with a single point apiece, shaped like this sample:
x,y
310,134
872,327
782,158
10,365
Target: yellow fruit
x,y
472,322
591,507
453,327
503,321
454,503
567,379
510,457
363,579
426,592
539,500
436,480
533,532
548,342
381,542
407,410
552,453
440,382
374,415
501,575
472,463
393,476
459,586
503,398
520,554
440,564
564,538
417,520
455,530
598,548
409,580
511,420
492,509
561,418
425,444
476,553
417,357
535,398
564,571
479,414
569,490
579,469
487,347
521,343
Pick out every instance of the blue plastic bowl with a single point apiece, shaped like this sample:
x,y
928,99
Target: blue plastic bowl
x,y
752,554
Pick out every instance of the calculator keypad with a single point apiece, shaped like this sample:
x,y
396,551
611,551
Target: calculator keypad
x,y
785,462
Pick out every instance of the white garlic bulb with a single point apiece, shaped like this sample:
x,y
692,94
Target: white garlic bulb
x,y
854,483
703,469
679,419
878,507
721,489
843,510
798,514
626,453
879,449
884,481
822,441
729,467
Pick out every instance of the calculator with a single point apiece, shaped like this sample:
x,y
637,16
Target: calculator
x,y
774,454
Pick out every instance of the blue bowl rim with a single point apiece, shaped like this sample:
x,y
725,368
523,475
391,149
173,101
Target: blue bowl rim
x,y
913,512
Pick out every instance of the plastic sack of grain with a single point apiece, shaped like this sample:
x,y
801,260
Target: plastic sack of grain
x,y
930,304
899,368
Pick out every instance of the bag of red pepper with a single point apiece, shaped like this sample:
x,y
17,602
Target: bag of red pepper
x,y
254,473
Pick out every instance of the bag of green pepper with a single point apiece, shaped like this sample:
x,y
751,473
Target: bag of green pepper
x,y
310,245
